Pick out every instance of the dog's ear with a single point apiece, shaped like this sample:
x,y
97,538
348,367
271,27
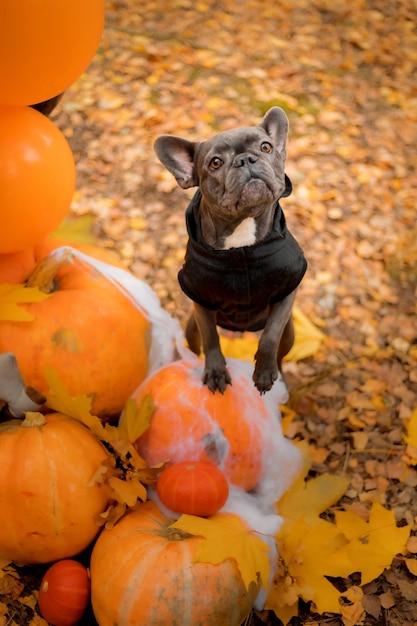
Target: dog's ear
x,y
275,123
178,157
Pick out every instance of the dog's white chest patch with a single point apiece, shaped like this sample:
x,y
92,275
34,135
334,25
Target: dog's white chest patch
x,y
243,235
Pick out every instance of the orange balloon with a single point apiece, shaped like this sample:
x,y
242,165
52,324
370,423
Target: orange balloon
x,y
45,46
37,177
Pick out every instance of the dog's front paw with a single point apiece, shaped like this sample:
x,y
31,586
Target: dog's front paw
x,y
216,378
264,378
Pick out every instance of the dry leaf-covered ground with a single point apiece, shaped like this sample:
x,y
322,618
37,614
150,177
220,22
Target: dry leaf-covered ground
x,y
345,74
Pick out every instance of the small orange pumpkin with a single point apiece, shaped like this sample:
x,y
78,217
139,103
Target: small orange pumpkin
x,y
88,331
190,422
64,593
193,487
49,500
142,572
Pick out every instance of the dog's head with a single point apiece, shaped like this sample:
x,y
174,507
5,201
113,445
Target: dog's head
x,y
240,172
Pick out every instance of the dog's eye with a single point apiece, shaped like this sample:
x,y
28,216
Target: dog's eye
x,y
215,163
266,146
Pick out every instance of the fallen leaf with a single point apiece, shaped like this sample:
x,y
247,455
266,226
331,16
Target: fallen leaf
x,y
373,544
58,399
411,566
227,537
360,440
127,491
412,545
372,604
308,339
353,612
76,229
311,552
387,600
310,498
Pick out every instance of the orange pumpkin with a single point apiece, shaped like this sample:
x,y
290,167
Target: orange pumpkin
x,y
193,487
49,500
64,593
142,572
15,266
87,330
190,422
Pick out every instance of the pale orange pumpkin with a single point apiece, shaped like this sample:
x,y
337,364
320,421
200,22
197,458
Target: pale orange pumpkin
x,y
190,423
143,573
88,331
49,500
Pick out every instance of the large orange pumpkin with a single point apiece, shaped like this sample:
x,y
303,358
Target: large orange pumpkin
x,y
190,423
142,572
49,500
87,330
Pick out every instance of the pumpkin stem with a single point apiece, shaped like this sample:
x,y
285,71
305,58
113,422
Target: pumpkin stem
x,y
43,274
13,391
33,419
176,534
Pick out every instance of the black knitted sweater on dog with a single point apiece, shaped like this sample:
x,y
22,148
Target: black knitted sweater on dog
x,y
241,283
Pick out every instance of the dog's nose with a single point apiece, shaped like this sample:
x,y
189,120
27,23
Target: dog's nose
x,y
245,159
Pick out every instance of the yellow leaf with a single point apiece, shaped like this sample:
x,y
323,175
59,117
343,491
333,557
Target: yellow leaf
x,y
285,612
239,347
127,491
135,420
227,537
310,553
310,498
353,613
60,400
11,296
310,547
287,417
313,497
76,229
373,544
308,339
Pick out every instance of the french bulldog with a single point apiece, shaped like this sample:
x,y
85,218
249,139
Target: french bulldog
x,y
242,265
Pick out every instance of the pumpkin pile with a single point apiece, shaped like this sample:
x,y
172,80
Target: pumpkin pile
x,y
144,568
213,449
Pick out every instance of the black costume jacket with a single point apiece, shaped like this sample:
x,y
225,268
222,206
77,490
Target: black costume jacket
x,y
241,283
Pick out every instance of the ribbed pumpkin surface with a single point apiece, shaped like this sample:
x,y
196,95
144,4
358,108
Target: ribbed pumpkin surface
x,y
48,498
142,574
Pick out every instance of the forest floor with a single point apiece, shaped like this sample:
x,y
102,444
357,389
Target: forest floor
x,y
345,74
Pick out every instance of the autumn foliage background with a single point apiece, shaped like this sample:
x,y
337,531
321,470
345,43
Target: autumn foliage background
x,y
345,74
